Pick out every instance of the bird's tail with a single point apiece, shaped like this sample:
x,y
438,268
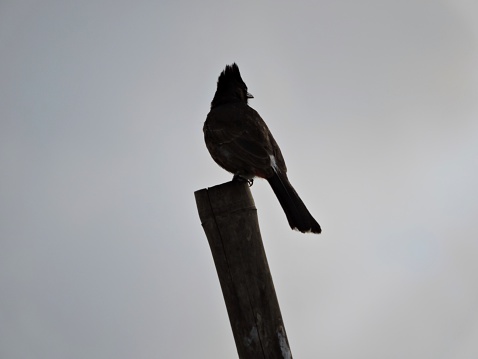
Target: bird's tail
x,y
297,214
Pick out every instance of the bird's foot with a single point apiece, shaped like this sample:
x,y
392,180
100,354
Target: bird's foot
x,y
239,178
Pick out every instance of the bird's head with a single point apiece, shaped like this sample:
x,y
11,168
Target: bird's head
x,y
230,87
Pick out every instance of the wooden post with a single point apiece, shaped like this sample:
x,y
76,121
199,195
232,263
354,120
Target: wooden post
x,y
229,218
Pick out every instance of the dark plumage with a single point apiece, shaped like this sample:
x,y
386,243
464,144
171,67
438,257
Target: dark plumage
x,y
239,141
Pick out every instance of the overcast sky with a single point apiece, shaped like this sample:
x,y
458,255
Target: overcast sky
x,y
375,107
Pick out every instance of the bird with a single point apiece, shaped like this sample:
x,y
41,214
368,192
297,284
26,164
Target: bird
x,y
239,141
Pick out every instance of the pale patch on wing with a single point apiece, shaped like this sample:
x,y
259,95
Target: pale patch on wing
x,y
273,163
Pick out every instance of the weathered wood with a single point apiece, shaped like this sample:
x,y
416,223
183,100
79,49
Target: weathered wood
x,y
229,218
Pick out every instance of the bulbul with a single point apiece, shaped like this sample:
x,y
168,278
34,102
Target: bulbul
x,y
239,141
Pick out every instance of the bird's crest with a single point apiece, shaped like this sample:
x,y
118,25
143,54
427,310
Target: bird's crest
x,y
230,87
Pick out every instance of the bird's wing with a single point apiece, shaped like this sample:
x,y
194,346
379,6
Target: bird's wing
x,y
239,140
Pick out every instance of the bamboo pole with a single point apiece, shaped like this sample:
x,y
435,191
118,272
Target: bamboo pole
x,y
229,218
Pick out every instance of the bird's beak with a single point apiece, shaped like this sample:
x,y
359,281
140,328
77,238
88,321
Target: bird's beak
x,y
249,95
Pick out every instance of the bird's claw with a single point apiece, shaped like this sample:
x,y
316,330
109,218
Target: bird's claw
x,y
238,178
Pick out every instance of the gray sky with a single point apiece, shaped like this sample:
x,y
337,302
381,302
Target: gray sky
x,y
374,104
